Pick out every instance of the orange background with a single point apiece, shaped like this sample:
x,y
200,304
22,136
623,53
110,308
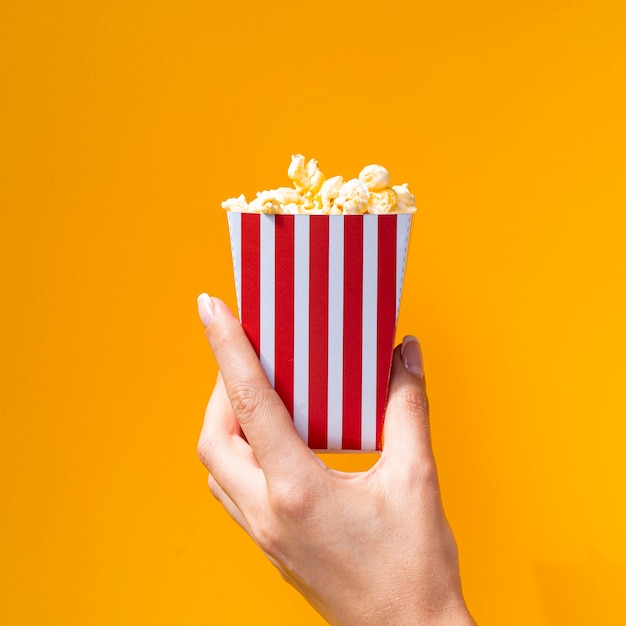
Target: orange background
x,y
122,127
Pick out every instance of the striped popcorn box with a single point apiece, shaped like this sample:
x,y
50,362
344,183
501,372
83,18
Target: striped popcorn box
x,y
318,297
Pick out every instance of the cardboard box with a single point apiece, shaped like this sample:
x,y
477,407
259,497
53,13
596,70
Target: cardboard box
x,y
318,297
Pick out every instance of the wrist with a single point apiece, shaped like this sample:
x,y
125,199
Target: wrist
x,y
457,615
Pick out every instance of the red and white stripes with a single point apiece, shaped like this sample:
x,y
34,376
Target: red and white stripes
x,y
318,297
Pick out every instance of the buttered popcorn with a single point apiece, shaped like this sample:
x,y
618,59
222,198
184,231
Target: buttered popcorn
x,y
314,194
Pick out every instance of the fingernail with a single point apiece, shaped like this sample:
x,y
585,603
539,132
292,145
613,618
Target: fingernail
x,y
205,309
411,354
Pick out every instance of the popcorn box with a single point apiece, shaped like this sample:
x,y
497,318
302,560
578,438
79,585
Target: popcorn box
x,y
318,296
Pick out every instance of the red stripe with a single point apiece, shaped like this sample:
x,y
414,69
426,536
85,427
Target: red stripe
x,y
283,332
386,314
318,332
251,277
352,331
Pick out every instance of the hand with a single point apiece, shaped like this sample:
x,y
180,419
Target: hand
x,y
364,548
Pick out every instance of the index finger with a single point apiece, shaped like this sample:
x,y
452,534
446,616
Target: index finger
x,y
264,419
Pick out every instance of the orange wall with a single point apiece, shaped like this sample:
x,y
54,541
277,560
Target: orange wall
x,y
122,127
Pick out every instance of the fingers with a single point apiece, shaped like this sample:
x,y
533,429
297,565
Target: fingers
x,y
225,453
262,415
224,499
407,428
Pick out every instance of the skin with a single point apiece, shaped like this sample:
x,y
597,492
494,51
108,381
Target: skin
x,y
366,548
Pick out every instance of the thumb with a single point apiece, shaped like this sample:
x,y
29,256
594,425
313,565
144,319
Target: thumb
x,y
407,426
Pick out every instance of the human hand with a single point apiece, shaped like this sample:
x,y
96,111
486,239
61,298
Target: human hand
x,y
367,548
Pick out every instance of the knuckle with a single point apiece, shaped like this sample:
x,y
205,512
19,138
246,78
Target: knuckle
x,y
214,487
421,475
428,473
246,401
206,449
291,502
266,535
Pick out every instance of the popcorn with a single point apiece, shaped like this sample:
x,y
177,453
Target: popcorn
x,y
318,273
375,177
307,178
383,201
405,200
237,205
353,198
313,193
281,200
329,193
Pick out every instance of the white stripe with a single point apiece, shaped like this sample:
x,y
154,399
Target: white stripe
x,y
369,336
301,326
403,226
267,316
234,222
335,332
